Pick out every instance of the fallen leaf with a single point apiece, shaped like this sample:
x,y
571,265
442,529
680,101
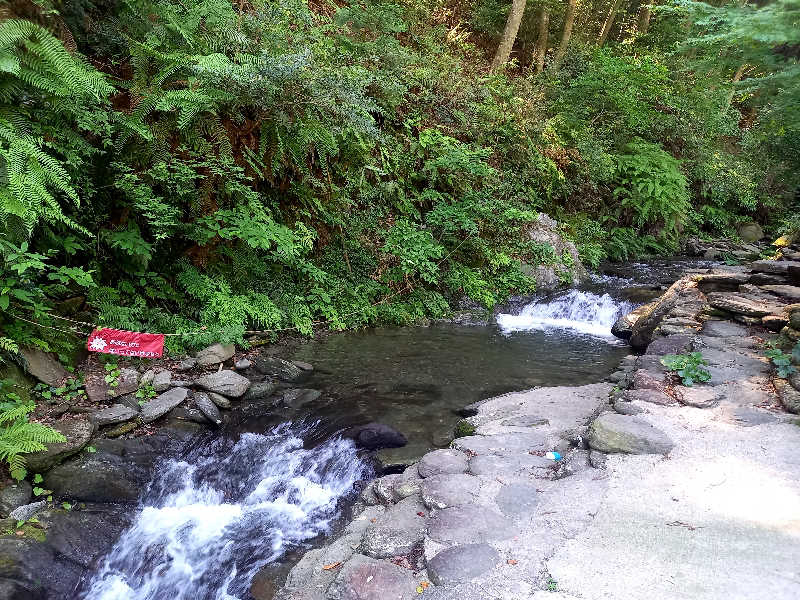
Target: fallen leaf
x,y
420,589
20,532
372,520
424,585
332,566
420,514
511,561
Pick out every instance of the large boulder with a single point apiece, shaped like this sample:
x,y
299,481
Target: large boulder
x,y
43,366
117,472
750,232
228,383
78,432
374,436
163,403
564,265
623,328
215,354
613,432
29,571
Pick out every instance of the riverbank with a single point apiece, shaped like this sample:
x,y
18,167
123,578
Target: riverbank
x,y
664,490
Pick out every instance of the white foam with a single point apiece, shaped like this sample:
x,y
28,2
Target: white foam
x,y
579,311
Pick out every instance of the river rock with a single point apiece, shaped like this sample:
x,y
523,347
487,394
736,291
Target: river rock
x,y
187,364
469,524
116,413
767,279
228,383
374,436
86,532
517,499
778,267
127,382
220,400
43,366
78,432
242,364
29,571
215,354
491,465
646,395
185,413
207,407
647,380
612,432
790,397
789,292
741,305
454,489
383,487
643,330
698,396
257,391
463,563
277,368
304,366
623,327
364,578
724,329
721,282
26,511
396,532
297,397
441,462
14,494
162,380
162,404
672,344
750,232
626,408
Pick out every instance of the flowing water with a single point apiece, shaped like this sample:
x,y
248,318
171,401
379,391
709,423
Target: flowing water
x,y
211,521
274,482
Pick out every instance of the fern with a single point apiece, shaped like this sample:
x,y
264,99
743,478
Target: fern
x,y
18,436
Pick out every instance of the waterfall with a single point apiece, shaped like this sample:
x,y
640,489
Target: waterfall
x,y
577,310
209,523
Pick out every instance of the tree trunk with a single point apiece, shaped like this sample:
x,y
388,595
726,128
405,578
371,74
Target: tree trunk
x,y
612,14
569,21
737,77
643,24
541,41
509,34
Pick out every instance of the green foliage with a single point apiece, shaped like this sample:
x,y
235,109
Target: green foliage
x,y
783,361
689,367
18,436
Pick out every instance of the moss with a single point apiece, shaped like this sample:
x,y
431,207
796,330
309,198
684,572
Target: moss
x,y
463,429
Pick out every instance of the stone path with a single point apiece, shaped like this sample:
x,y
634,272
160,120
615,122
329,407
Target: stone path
x,y
675,492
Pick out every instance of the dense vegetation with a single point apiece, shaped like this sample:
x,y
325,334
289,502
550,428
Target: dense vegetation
x,y
176,164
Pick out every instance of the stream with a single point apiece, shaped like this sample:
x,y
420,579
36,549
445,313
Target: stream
x,y
226,520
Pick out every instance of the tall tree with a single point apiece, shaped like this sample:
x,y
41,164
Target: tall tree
x,y
509,33
609,22
541,41
643,21
569,22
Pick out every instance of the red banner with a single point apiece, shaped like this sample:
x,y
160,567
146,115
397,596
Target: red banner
x,y
126,343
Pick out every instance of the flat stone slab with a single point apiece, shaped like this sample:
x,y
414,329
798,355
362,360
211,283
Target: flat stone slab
x,y
444,491
725,329
469,524
161,405
672,344
117,413
517,499
612,432
228,383
646,395
626,408
790,292
773,266
492,465
43,366
746,416
510,443
365,578
460,564
440,462
698,396
397,531
742,305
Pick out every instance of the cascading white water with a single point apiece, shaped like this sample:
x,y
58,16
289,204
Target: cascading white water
x,y
208,524
577,310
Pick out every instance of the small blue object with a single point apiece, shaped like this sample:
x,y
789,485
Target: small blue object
x,y
553,456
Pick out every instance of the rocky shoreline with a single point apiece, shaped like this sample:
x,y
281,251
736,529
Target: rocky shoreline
x,y
494,518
